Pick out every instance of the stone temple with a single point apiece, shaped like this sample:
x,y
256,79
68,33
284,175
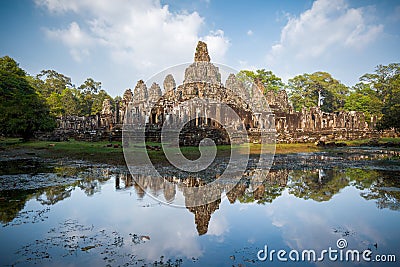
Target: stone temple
x,y
201,107
153,106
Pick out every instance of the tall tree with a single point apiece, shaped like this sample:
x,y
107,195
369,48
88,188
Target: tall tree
x,y
49,81
55,104
22,110
89,90
307,89
70,102
386,83
90,86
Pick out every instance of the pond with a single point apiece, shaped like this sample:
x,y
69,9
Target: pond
x,y
73,213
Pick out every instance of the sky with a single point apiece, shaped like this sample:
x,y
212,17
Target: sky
x,y
121,41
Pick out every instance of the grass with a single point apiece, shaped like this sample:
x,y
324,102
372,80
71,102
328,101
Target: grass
x,y
381,140
99,152
79,150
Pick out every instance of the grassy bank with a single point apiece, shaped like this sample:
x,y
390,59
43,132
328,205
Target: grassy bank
x,y
102,152
383,140
78,150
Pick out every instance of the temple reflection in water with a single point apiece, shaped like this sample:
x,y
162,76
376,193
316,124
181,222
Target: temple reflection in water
x,y
317,184
168,188
309,184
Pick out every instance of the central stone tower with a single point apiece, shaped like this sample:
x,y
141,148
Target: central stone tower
x,y
202,70
201,54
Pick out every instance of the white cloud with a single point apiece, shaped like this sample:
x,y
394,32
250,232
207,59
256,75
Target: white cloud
x,y
217,44
325,32
144,35
249,32
328,25
218,226
77,40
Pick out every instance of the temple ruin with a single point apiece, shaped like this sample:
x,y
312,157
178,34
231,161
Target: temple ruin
x,y
154,107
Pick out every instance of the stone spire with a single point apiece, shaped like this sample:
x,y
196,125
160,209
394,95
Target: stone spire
x,y
237,87
140,93
154,92
201,54
202,70
169,83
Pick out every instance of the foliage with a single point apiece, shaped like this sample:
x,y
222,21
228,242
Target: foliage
x,y
363,98
70,102
22,110
374,186
49,81
304,91
319,185
386,84
90,86
270,81
391,110
66,100
98,100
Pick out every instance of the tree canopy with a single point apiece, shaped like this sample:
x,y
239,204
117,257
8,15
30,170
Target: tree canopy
x,y
363,98
305,90
270,81
64,99
49,81
22,110
385,82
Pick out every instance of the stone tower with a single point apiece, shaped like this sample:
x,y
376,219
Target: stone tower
x,y
201,54
202,70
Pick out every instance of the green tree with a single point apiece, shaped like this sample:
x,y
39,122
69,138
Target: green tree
x,y
363,98
90,86
386,83
373,185
59,92
89,89
49,81
70,102
98,100
55,104
304,91
22,110
384,80
270,81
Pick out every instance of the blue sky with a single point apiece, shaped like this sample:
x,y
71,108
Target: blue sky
x,y
120,42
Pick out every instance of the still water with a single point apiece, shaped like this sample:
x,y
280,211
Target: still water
x,y
66,213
